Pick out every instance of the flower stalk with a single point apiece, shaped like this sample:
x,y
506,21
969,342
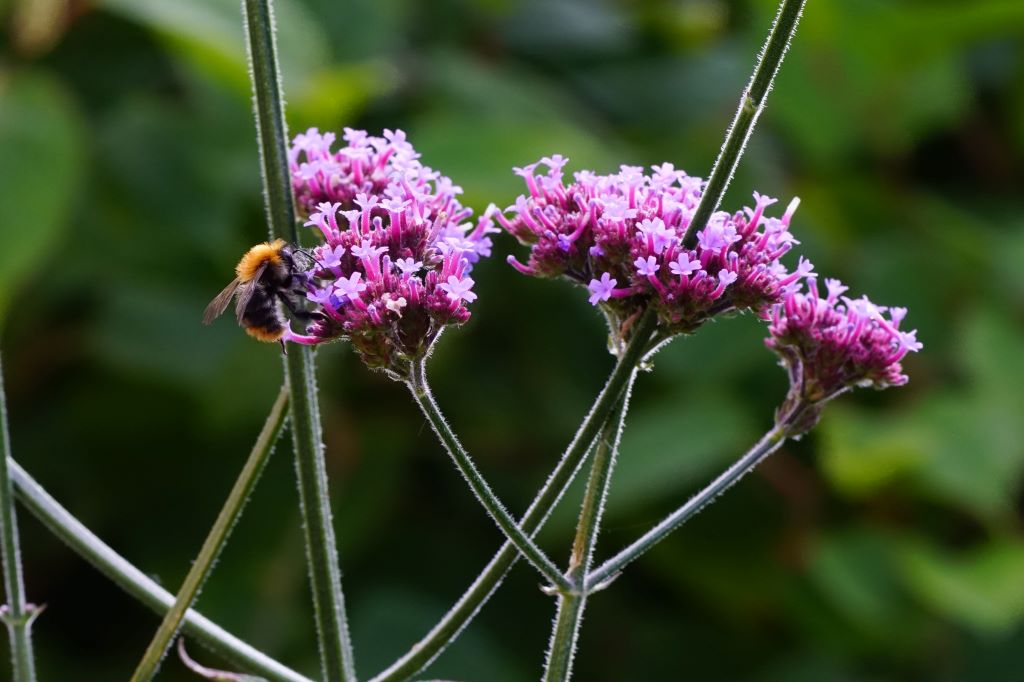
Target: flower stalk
x,y
750,107
215,540
17,614
423,652
423,396
321,548
769,443
562,648
137,584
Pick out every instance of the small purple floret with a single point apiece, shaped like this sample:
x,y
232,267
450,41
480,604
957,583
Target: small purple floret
x,y
459,289
601,289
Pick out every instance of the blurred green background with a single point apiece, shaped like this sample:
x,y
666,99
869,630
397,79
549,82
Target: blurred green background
x,y
887,545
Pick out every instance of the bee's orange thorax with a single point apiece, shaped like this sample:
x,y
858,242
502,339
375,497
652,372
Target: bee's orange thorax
x,y
257,256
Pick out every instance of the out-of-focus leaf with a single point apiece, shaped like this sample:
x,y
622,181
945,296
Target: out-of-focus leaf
x,y
979,452
992,347
966,448
670,98
855,573
976,454
382,26
209,33
41,161
859,72
568,27
950,448
486,122
1009,257
981,589
340,93
860,456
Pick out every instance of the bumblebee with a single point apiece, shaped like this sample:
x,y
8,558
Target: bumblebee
x,y
267,273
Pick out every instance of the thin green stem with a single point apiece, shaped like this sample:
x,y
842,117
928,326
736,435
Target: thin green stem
x,y
215,540
535,555
136,583
321,547
750,108
566,630
336,656
448,628
268,109
768,444
17,614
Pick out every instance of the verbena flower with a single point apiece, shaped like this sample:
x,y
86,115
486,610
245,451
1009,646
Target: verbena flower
x,y
831,344
393,269
621,236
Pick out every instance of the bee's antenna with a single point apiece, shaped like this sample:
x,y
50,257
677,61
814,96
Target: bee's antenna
x,y
307,253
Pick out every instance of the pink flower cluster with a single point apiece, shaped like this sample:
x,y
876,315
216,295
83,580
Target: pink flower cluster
x,y
833,343
393,269
621,236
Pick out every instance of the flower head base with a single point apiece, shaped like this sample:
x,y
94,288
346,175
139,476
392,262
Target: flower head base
x,y
834,343
394,267
621,236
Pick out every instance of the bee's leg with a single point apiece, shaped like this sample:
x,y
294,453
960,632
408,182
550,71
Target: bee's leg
x,y
299,313
284,347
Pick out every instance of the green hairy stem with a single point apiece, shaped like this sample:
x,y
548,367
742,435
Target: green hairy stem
x,y
337,660
215,541
562,647
17,614
451,625
137,584
535,555
768,444
750,108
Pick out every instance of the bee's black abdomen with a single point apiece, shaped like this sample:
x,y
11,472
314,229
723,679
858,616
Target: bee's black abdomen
x,y
261,319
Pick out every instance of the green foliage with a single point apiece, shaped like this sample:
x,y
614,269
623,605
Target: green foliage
x,y
41,140
981,590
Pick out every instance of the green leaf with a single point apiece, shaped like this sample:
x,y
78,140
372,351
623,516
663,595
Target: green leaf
x,y
861,455
40,171
957,449
981,589
856,573
859,74
484,122
209,34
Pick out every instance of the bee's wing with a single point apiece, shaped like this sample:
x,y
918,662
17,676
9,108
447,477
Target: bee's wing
x,y
220,303
246,291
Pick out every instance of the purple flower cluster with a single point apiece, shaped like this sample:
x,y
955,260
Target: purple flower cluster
x,y
833,343
621,236
393,269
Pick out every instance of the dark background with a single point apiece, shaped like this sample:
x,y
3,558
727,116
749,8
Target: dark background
x,y
887,545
